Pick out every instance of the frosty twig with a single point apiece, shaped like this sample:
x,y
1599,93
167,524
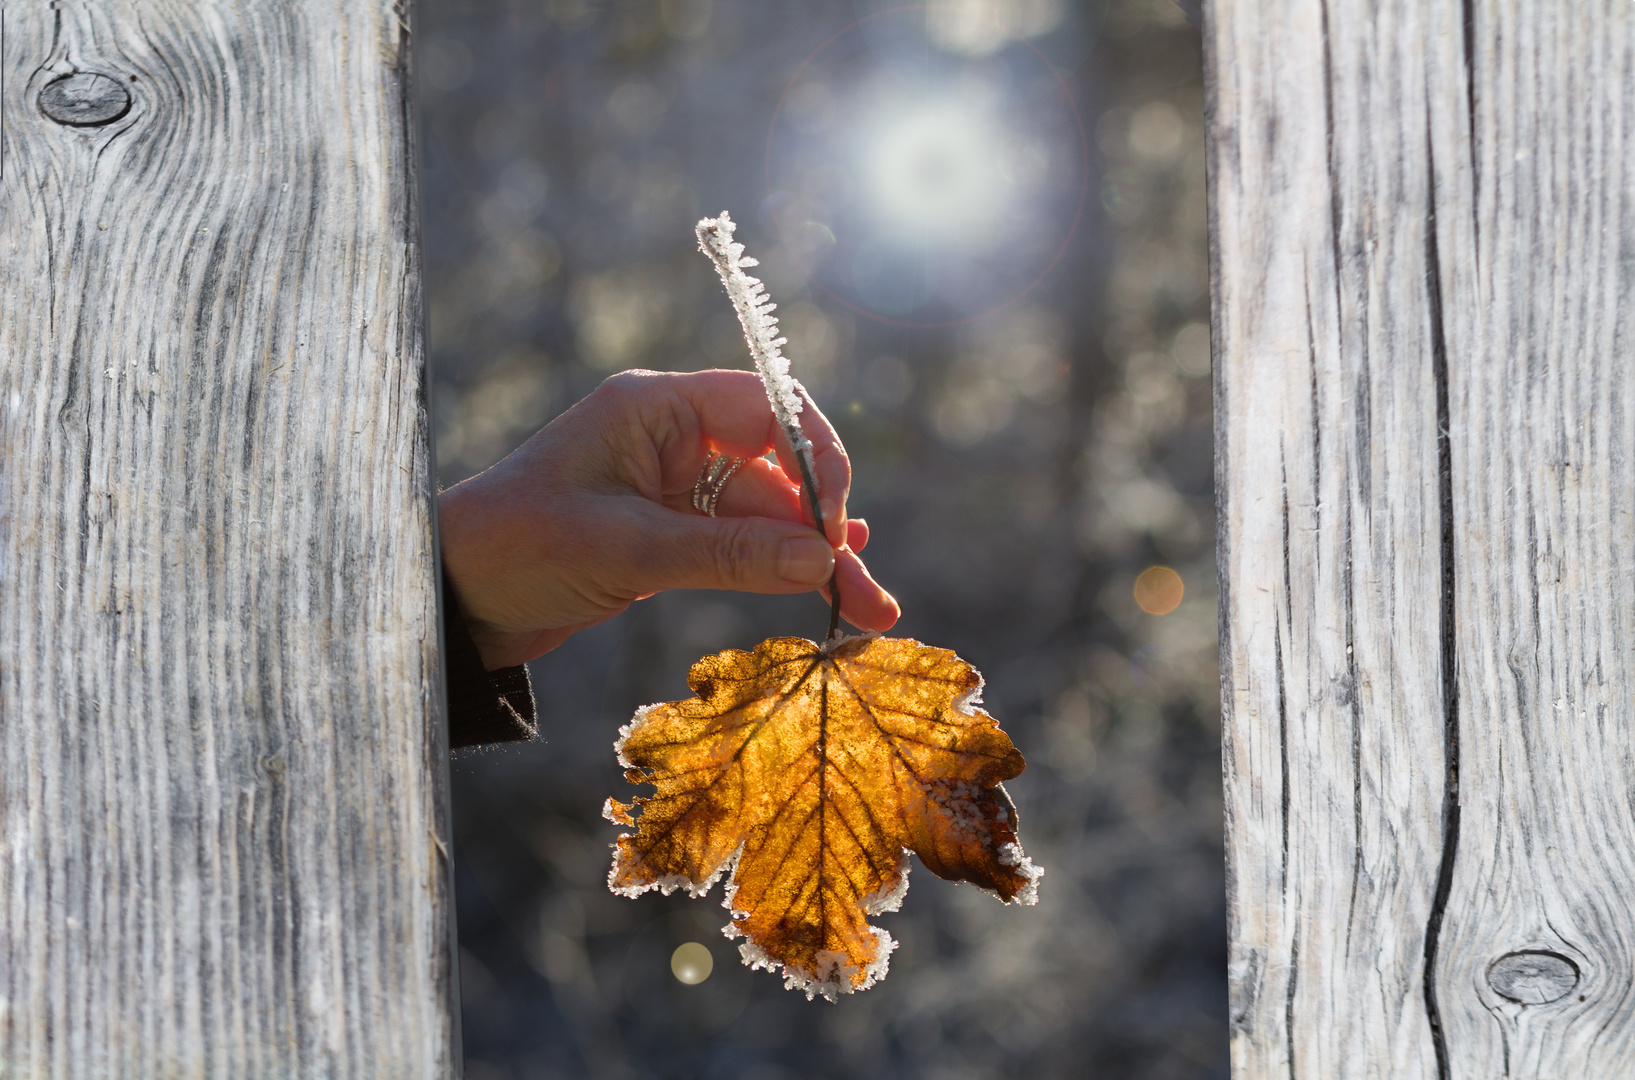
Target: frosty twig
x,y
754,308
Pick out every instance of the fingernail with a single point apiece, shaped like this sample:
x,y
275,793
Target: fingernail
x,y
807,560
826,507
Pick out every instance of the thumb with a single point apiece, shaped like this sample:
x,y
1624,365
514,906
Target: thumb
x,y
748,554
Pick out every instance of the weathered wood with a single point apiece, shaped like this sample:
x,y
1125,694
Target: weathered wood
x,y
1422,226
222,812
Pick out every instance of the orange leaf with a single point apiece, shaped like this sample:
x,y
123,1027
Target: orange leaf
x,y
807,772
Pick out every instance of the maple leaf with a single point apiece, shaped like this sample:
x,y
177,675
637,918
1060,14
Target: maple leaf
x,y
807,772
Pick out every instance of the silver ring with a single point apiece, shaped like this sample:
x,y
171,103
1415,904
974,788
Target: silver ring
x,y
712,478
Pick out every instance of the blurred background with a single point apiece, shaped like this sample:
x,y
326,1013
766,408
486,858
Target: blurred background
x,y
984,224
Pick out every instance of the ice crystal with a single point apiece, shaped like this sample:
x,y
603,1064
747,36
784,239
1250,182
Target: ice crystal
x,y
754,308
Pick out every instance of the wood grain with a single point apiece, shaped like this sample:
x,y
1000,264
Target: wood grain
x,y
1421,227
222,808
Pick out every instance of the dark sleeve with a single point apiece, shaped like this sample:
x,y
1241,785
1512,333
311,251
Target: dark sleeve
x,y
483,706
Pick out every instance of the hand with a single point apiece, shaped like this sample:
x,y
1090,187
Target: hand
x,y
595,511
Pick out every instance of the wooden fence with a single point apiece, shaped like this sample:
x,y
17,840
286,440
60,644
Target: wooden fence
x,y
223,822
1423,222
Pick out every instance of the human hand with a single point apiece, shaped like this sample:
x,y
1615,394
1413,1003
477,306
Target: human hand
x,y
594,512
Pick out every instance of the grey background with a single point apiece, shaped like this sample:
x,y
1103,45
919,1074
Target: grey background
x,y
1018,471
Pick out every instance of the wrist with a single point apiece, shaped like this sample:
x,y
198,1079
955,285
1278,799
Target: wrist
x,y
466,527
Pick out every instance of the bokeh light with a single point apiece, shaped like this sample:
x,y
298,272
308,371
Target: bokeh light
x,y
691,963
1158,590
982,27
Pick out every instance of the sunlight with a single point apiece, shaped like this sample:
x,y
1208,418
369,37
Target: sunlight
x,y
935,171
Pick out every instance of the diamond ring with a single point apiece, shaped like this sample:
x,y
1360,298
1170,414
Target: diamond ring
x,y
712,478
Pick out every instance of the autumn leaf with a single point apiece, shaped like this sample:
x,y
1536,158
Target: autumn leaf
x,y
806,772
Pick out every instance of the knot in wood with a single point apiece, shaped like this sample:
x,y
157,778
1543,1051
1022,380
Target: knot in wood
x,y
85,99
1533,977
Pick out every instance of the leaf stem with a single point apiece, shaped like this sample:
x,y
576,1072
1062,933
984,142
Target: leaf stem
x,y
809,484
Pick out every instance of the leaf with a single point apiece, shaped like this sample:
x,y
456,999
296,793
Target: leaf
x,y
807,772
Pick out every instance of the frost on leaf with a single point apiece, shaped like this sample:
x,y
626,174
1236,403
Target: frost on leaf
x,y
806,773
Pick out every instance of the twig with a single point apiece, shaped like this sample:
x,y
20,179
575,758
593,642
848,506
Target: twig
x,y
754,308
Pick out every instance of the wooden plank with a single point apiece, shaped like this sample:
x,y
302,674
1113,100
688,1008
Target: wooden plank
x,y
1426,459
222,811
1544,535
1330,557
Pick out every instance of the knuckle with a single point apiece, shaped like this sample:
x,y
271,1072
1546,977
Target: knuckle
x,y
836,465
737,555
832,449
624,386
